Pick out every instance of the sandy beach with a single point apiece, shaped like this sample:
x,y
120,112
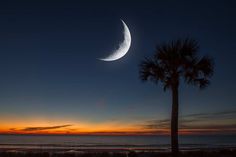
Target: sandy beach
x,y
224,152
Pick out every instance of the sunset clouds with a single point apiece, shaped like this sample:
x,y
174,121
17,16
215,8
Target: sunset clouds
x,y
200,123
216,122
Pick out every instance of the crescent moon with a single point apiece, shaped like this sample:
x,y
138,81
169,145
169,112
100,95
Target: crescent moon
x,y
123,47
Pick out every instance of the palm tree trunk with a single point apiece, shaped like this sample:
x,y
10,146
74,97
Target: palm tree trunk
x,y
174,121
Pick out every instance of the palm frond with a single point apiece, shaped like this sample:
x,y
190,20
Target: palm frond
x,y
177,59
150,70
205,66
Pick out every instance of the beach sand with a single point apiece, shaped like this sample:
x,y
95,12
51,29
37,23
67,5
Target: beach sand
x,y
224,152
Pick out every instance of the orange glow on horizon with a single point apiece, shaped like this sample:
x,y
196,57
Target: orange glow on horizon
x,y
76,128
69,127
105,131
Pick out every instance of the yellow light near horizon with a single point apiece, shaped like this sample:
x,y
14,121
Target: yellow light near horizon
x,y
18,126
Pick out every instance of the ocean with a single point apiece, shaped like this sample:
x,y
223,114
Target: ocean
x,y
113,142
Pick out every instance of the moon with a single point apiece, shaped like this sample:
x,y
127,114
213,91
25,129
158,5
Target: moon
x,y
123,46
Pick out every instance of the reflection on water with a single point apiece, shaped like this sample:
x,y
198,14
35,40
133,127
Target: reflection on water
x,y
112,142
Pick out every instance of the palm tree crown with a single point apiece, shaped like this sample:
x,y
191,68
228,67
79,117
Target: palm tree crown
x,y
175,60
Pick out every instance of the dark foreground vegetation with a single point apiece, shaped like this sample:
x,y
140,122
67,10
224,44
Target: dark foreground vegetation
x,y
200,153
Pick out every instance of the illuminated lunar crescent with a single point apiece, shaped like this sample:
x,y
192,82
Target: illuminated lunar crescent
x,y
123,47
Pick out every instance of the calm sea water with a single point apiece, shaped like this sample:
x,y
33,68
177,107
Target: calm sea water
x,y
113,142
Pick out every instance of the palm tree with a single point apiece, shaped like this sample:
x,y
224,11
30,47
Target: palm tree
x,y
172,62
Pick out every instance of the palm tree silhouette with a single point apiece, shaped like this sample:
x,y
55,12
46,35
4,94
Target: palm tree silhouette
x,y
172,62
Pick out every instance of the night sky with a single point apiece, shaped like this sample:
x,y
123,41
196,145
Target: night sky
x,y
51,79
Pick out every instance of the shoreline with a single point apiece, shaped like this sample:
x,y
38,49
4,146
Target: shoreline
x,y
110,150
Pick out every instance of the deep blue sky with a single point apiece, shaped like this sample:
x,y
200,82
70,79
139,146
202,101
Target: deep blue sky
x,y
49,51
